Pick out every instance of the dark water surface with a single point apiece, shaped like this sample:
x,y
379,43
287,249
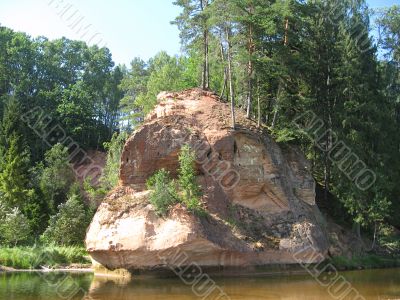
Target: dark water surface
x,y
371,284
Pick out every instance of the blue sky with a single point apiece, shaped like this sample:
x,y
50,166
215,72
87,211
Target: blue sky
x,y
128,27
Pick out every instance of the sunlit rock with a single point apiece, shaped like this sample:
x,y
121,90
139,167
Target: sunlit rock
x,y
259,196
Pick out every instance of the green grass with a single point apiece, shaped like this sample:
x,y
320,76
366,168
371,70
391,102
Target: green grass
x,y
365,262
49,256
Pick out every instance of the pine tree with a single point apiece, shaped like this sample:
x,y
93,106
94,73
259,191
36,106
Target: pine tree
x,y
14,167
16,190
14,159
195,32
221,12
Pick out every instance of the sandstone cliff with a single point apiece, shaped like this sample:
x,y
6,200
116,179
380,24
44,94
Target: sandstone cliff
x,y
259,196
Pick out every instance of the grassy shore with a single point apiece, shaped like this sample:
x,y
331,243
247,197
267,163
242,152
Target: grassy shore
x,y
42,256
365,262
59,257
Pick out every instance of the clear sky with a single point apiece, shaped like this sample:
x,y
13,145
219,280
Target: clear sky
x,y
128,28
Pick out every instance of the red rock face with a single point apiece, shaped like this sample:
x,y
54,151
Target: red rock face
x,y
259,197
259,171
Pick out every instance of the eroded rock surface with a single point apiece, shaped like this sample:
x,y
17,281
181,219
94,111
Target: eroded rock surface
x,y
259,196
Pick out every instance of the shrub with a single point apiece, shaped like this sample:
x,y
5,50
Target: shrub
x,y
187,179
14,227
164,193
110,176
35,257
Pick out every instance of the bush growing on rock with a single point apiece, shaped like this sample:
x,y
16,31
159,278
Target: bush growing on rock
x,y
164,193
187,179
114,148
110,176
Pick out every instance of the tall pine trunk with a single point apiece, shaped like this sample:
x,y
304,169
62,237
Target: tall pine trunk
x,y
276,111
225,83
206,65
250,49
231,91
258,104
205,80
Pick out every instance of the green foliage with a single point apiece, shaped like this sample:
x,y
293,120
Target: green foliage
x,y
94,193
146,79
36,257
75,85
56,176
14,227
163,192
389,23
110,176
76,89
114,148
14,189
68,226
187,179
286,58
14,159
285,135
295,56
366,261
389,238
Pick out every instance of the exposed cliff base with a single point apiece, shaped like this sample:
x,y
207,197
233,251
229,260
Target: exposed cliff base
x,y
259,196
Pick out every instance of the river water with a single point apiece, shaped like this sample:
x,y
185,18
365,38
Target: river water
x,y
370,284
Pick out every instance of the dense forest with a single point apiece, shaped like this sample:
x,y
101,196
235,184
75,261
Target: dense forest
x,y
323,75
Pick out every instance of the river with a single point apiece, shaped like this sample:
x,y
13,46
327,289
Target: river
x,y
370,284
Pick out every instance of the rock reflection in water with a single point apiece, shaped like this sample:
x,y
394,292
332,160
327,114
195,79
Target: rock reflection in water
x,y
372,284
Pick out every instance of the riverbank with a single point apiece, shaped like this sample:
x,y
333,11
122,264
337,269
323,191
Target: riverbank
x,y
75,259
66,269
370,261
44,258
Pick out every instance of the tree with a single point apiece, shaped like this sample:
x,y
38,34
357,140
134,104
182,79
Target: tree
x,y
68,226
145,80
389,31
194,31
56,176
134,86
220,18
14,227
388,22
248,15
14,159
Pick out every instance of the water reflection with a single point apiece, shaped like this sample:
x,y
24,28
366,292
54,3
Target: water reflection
x,y
34,286
373,284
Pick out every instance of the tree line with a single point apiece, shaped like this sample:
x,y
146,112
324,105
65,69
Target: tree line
x,y
77,89
279,60
276,60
